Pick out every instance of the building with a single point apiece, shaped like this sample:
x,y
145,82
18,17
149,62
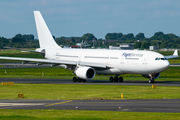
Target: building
x,y
114,48
127,46
123,46
153,47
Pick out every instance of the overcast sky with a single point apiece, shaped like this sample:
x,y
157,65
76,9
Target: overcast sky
x,y
77,17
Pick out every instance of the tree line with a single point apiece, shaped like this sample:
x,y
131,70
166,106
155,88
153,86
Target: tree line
x,y
158,39
19,41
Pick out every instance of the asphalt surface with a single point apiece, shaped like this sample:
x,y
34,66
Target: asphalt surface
x,y
92,82
164,105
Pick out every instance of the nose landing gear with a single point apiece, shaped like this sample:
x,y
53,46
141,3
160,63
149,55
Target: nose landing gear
x,y
151,80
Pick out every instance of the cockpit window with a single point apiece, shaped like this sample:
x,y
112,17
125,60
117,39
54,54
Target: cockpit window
x,y
160,59
163,59
157,59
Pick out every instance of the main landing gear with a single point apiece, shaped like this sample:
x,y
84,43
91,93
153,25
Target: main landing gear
x,y
116,79
78,80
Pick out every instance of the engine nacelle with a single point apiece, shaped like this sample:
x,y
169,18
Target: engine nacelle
x,y
148,75
86,73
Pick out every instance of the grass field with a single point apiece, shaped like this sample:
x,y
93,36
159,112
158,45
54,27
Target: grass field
x,y
171,74
87,92
84,115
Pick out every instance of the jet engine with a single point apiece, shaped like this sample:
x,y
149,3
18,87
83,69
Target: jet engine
x,y
156,75
86,73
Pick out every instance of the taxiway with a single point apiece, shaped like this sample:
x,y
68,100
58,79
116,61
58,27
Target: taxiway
x,y
95,82
164,105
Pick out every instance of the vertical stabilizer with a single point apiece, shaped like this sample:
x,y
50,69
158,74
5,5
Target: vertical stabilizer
x,y
44,35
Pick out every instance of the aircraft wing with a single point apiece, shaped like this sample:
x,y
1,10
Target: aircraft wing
x,y
60,62
175,55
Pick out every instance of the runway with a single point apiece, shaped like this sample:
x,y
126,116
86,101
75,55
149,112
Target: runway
x,y
172,105
92,82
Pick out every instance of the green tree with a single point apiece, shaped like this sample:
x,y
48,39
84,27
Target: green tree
x,y
28,37
129,36
61,41
113,36
140,36
17,40
145,45
88,37
73,40
18,36
157,36
119,36
155,42
137,45
165,45
172,36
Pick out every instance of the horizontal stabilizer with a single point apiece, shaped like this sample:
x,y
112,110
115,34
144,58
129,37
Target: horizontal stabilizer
x,y
22,49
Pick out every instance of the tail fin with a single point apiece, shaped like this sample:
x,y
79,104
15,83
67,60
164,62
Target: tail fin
x,y
44,35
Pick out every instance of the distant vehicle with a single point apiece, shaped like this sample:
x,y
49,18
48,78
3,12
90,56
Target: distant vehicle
x,y
82,44
86,63
74,46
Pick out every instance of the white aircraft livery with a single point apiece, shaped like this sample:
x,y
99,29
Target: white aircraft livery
x,y
86,63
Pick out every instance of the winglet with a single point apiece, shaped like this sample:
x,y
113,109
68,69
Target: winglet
x,y
175,55
176,52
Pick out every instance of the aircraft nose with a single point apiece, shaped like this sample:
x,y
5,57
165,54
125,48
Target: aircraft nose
x,y
159,66
165,65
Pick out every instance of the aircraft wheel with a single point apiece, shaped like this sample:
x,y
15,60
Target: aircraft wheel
x,y
120,79
111,79
115,79
84,80
74,79
79,79
151,80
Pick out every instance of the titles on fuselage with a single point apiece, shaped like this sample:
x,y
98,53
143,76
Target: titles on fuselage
x,y
132,54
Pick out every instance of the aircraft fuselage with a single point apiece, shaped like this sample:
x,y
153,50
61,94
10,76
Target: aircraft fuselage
x,y
119,61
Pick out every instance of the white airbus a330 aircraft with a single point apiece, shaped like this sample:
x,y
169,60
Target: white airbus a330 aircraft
x,y
86,63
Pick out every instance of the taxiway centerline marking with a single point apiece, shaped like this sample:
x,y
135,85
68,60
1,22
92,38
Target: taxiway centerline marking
x,y
58,103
